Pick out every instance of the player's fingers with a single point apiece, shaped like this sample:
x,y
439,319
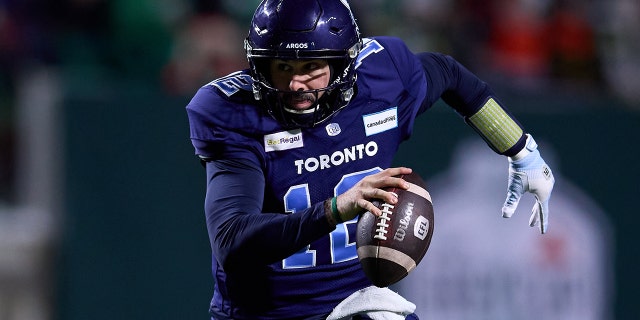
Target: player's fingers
x,y
390,197
369,206
539,215
396,171
385,179
515,190
534,220
509,210
391,178
544,216
379,194
510,204
393,182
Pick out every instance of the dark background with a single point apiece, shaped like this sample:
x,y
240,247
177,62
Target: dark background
x,y
132,240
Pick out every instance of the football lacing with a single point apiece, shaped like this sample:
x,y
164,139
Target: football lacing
x,y
381,231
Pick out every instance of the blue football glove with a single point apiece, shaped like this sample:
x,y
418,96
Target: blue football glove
x,y
529,173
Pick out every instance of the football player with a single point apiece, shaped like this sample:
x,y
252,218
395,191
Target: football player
x,y
301,143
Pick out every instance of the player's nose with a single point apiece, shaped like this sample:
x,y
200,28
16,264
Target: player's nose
x,y
298,83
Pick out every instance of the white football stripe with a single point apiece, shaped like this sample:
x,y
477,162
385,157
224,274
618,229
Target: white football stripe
x,y
419,191
387,254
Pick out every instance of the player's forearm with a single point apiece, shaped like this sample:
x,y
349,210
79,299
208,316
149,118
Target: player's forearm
x,y
474,100
266,237
498,128
240,232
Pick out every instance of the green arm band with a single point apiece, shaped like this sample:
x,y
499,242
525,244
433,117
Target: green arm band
x,y
496,126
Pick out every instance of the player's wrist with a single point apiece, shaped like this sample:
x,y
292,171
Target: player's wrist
x,y
529,147
331,211
335,213
521,154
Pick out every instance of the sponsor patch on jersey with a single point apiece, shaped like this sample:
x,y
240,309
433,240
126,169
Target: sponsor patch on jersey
x,y
284,140
380,121
333,129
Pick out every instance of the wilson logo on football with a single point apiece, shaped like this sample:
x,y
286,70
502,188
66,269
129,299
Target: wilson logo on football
x,y
404,223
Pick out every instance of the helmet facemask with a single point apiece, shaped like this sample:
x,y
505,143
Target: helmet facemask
x,y
327,30
327,101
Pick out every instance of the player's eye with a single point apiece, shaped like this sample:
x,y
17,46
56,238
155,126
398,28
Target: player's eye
x,y
316,64
284,67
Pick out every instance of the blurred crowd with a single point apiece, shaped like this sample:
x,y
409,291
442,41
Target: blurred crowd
x,y
541,45
177,45
185,43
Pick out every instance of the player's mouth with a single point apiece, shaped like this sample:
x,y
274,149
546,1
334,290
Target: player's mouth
x,y
300,101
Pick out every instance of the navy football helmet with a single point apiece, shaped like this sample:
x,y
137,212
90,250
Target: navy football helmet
x,y
304,29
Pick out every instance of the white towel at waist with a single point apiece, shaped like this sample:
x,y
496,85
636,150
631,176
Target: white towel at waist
x,y
377,303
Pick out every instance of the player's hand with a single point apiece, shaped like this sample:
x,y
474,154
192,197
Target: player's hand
x,y
530,174
358,199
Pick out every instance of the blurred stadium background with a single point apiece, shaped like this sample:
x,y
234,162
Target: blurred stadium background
x,y
101,196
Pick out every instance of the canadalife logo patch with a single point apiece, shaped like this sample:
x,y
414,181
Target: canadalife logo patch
x,y
380,121
284,140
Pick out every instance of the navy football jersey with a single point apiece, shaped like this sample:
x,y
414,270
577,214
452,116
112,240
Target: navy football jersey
x,y
303,167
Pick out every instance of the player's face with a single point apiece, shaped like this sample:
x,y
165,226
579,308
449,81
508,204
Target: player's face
x,y
300,75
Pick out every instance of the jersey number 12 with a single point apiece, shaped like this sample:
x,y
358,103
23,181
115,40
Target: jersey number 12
x,y
342,247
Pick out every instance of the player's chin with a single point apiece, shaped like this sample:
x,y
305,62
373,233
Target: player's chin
x,y
300,105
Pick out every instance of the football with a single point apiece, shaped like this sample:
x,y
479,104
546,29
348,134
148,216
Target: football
x,y
392,245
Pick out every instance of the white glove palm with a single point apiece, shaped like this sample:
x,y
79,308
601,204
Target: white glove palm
x,y
529,173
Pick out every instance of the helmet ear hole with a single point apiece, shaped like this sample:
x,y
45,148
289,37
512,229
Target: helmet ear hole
x,y
261,69
333,66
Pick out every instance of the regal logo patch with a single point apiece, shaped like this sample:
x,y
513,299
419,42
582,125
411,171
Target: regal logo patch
x,y
284,140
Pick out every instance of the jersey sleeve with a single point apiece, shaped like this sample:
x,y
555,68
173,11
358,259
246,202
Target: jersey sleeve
x,y
239,232
221,128
474,100
389,72
449,80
